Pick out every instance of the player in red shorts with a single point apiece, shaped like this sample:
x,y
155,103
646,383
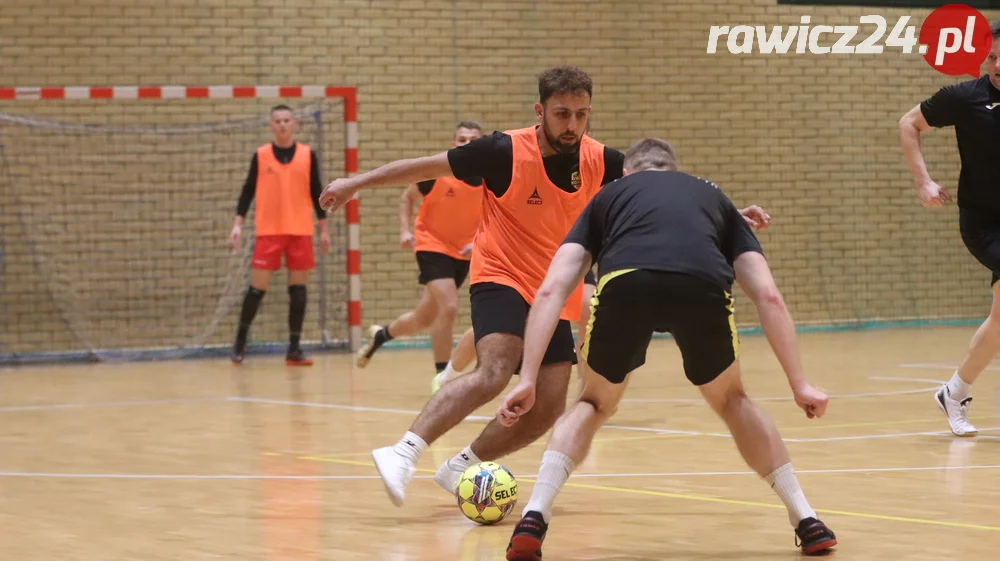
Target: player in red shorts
x,y
284,177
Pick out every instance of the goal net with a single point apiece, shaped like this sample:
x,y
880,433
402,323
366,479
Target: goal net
x,y
115,223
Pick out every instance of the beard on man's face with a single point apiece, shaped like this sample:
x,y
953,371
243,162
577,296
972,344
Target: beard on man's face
x,y
568,143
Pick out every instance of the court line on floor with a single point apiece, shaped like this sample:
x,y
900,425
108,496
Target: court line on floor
x,y
656,435
877,436
904,379
363,408
57,406
784,398
700,498
616,427
44,475
941,365
875,423
52,475
679,473
797,471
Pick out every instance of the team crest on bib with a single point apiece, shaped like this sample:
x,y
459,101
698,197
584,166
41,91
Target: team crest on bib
x,y
575,179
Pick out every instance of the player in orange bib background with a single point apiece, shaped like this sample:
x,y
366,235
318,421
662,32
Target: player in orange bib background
x,y
442,241
284,178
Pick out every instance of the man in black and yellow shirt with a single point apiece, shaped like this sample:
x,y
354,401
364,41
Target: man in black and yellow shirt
x,y
669,247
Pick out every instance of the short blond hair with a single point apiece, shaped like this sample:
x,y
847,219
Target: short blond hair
x,y
650,153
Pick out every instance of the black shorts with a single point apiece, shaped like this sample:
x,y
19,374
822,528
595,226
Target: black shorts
x,y
981,234
434,266
590,278
631,305
501,309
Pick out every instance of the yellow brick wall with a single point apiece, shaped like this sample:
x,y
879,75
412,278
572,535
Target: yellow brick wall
x,y
811,138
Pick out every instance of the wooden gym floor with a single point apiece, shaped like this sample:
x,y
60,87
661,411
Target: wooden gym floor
x,y
203,460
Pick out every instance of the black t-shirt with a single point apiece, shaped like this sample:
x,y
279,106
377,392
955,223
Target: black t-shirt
x,y
492,158
665,221
283,155
973,108
425,187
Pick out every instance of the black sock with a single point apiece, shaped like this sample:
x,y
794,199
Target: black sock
x,y
382,337
250,304
296,313
440,366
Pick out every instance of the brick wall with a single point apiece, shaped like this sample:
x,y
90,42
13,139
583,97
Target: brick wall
x,y
811,138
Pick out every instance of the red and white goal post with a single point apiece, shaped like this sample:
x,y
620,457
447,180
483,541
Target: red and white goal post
x,y
81,316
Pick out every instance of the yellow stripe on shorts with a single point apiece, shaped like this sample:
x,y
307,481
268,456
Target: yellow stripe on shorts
x,y
732,326
585,350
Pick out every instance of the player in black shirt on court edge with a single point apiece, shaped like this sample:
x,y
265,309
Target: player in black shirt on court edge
x,y
668,246
973,108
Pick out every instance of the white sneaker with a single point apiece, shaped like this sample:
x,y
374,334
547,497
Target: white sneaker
x,y
957,412
396,473
447,476
364,354
439,380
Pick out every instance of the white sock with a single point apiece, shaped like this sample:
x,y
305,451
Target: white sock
x,y
786,485
464,459
410,447
447,373
957,388
552,475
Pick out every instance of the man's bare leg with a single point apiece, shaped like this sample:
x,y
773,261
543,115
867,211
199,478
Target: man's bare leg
x,y
568,446
755,435
461,358
953,397
497,441
572,436
442,327
758,440
500,354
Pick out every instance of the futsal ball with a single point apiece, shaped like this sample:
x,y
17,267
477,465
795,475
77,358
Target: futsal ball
x,y
487,493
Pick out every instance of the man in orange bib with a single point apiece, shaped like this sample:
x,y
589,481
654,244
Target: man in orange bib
x,y
442,240
284,177
538,180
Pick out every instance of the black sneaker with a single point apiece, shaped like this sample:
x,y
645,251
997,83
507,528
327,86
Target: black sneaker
x,y
239,350
813,536
297,357
526,543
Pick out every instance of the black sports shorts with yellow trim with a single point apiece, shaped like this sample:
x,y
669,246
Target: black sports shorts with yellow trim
x,y
497,308
590,278
632,304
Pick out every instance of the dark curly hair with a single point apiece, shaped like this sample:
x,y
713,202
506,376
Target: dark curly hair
x,y
563,79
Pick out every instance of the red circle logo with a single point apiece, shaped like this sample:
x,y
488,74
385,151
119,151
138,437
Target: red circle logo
x,y
956,39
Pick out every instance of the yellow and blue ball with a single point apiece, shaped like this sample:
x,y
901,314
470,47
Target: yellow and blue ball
x,y
486,492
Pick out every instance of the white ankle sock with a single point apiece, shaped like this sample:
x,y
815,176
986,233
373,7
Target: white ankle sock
x,y
957,388
447,373
410,447
464,459
552,475
786,485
